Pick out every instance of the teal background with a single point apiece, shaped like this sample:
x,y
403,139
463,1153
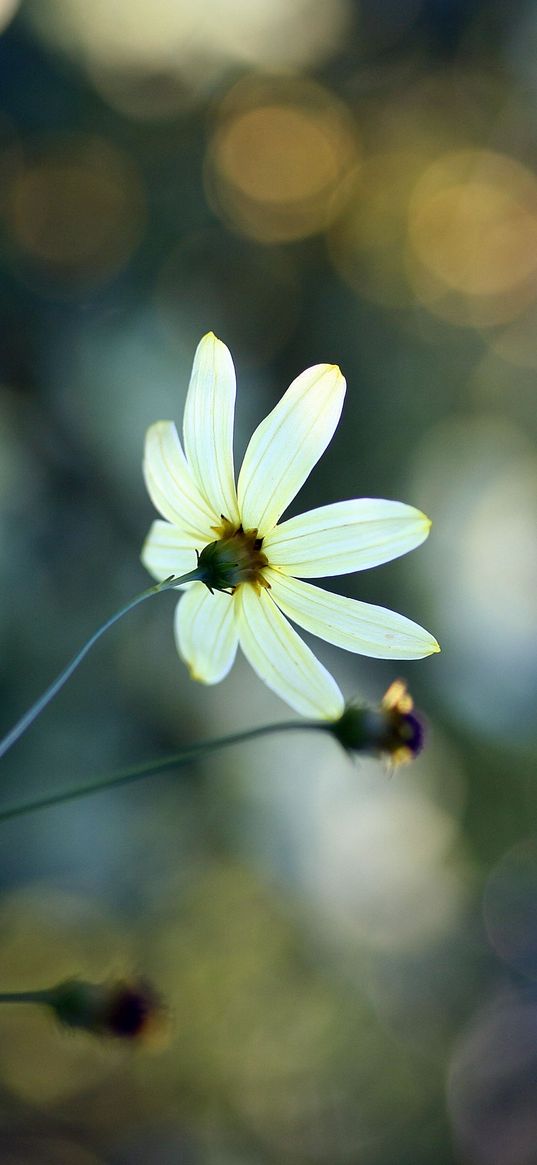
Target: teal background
x,y
348,959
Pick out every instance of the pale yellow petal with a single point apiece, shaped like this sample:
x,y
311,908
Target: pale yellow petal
x,y
358,627
287,444
167,550
282,659
208,426
206,633
345,537
171,486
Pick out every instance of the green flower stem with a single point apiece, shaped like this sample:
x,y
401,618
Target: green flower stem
x,y
25,721
25,996
147,769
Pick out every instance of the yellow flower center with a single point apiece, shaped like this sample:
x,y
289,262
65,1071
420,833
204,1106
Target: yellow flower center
x,y
235,557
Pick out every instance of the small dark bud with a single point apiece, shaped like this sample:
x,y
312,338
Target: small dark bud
x,y
392,730
123,1010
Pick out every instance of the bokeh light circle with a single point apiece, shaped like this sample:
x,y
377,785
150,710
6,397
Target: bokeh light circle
x,y
193,44
472,235
367,242
76,209
510,907
492,1085
278,158
479,475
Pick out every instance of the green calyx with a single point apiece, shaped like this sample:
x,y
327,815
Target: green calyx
x,y
75,1003
353,729
232,559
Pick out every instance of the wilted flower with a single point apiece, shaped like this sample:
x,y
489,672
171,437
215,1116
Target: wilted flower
x,y
252,566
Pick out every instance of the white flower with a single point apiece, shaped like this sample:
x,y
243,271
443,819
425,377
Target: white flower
x,y
239,525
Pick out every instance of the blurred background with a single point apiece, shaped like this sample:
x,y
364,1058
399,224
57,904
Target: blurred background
x,y
349,961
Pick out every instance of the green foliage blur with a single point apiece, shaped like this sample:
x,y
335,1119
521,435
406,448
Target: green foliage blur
x,y
349,961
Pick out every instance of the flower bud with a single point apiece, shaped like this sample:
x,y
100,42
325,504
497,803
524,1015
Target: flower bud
x,y
120,1009
392,730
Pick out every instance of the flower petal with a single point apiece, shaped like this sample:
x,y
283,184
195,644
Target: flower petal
x,y
206,633
208,425
287,444
167,550
355,626
282,659
170,484
344,537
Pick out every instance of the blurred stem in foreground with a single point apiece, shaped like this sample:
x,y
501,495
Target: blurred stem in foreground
x,y
391,730
124,1009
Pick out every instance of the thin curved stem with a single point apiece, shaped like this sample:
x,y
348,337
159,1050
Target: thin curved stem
x,y
151,768
25,721
25,996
